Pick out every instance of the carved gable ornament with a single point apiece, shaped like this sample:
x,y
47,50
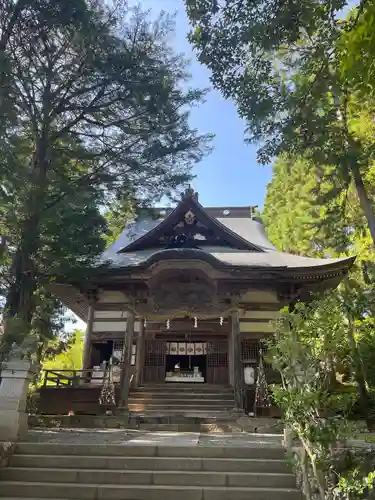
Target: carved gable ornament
x,y
190,226
189,218
177,292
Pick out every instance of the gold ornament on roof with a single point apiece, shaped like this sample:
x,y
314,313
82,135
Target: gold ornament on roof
x,y
189,218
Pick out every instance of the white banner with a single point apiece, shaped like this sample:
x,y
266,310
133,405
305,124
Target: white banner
x,y
173,348
199,349
182,348
190,349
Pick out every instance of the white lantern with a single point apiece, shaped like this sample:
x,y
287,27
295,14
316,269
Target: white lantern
x,y
249,375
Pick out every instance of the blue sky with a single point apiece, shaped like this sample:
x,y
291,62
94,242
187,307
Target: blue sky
x,y
230,175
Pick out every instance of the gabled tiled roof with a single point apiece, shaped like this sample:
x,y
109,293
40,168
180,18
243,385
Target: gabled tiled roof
x,y
141,240
252,230
134,245
243,246
222,255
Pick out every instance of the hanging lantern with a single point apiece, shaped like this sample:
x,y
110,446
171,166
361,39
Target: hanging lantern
x,y
221,321
145,323
168,324
195,322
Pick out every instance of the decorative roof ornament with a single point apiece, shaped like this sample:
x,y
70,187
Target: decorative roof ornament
x,y
189,194
189,217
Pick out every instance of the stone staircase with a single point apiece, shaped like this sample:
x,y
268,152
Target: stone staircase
x,y
148,470
189,399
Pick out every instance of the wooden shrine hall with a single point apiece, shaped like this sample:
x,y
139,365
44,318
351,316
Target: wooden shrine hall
x,y
179,305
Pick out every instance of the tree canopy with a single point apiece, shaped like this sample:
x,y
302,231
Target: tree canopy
x,y
289,69
70,358
95,109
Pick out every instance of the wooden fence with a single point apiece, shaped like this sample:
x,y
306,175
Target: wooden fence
x,y
71,378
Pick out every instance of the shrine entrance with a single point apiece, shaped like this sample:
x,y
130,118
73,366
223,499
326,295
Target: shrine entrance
x,y
186,362
197,362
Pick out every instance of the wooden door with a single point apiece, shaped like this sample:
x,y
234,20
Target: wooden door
x,y
154,368
217,362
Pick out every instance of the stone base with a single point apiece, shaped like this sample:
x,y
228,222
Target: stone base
x,y
260,425
237,413
176,423
122,412
13,425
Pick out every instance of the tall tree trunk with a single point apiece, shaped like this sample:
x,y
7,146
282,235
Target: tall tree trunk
x,y
363,198
20,303
19,300
354,150
359,376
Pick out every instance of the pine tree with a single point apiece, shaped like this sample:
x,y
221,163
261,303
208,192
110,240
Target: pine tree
x,y
94,109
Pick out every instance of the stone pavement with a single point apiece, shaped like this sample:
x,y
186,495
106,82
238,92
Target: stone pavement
x,y
158,438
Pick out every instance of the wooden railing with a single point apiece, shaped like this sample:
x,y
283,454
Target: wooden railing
x,y
70,378
75,378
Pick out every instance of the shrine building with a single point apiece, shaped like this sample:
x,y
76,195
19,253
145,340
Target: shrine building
x,y
182,300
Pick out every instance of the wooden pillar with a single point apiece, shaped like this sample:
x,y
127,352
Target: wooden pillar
x,y
86,355
126,360
230,361
140,353
235,351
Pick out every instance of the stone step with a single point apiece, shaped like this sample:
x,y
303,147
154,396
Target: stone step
x,y
137,406
182,388
182,401
191,416
186,415
186,396
185,387
227,465
148,477
73,491
266,449
176,427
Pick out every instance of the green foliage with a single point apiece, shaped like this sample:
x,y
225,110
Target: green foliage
x,y
306,350
296,74
303,215
93,115
301,218
356,475
121,213
357,47
70,358
273,61
289,214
